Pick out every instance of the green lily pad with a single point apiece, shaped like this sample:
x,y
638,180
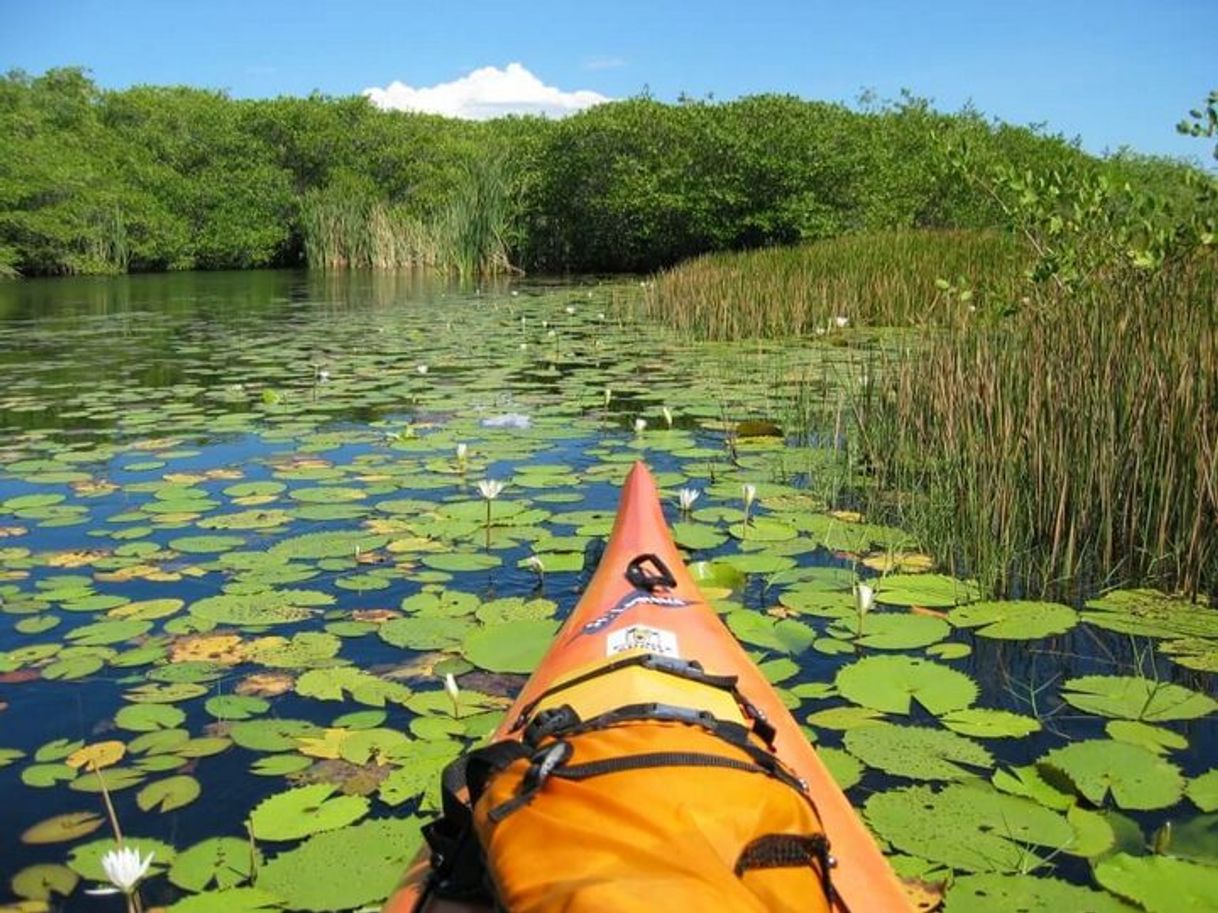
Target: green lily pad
x,y
459,562
303,811
265,608
1014,619
696,536
844,717
517,646
364,687
917,752
353,867
271,735
928,590
1136,777
756,629
422,632
845,768
221,862
341,544
230,900
235,706
1203,790
166,795
982,723
42,882
967,826
991,892
1131,698
1160,884
205,545
889,631
891,683
1156,738
1200,653
1149,613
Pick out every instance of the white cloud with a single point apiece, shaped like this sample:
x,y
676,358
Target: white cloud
x,y
485,93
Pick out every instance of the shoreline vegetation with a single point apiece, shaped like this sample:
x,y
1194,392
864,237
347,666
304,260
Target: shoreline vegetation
x,y
1039,408
173,178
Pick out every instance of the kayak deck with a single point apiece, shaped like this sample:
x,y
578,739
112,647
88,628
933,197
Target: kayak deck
x,y
616,617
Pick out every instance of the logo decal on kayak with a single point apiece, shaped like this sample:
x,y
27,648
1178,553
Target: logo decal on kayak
x,y
641,637
628,602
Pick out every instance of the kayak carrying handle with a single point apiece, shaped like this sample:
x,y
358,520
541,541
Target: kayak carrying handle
x,y
641,579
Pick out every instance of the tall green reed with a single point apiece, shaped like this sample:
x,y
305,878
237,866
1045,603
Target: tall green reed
x,y
1072,445
470,236
879,279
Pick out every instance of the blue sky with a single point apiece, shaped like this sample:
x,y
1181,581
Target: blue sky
x,y
1110,71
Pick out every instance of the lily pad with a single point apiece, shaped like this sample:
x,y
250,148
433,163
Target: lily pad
x,y
42,882
917,752
983,723
62,828
967,826
333,684
1203,790
991,892
1160,884
891,683
1014,619
1131,698
929,590
353,867
221,862
168,794
1136,777
304,811
517,646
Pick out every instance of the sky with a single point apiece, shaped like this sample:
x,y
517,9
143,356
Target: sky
x,y
1109,72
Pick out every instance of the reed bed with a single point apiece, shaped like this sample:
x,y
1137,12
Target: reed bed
x,y
470,236
885,279
1071,446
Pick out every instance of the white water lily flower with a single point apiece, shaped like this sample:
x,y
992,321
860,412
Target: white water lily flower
x,y
687,497
608,396
323,376
667,415
462,452
842,321
535,564
865,598
600,316
640,425
552,333
515,294
450,685
570,310
422,369
490,488
750,494
125,868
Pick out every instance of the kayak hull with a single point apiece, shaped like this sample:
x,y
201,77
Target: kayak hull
x,y
614,616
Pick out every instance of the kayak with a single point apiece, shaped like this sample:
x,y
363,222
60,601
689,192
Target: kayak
x,y
642,609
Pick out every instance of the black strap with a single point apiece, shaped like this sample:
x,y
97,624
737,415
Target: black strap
x,y
636,573
564,722
782,851
606,766
690,670
457,868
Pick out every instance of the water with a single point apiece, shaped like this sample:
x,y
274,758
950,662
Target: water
x,y
172,438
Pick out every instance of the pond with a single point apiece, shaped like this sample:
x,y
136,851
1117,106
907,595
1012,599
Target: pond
x,y
242,542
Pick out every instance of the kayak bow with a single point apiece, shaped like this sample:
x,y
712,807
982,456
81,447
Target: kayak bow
x,y
643,599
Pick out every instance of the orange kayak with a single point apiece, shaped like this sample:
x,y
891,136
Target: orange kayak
x,y
616,617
